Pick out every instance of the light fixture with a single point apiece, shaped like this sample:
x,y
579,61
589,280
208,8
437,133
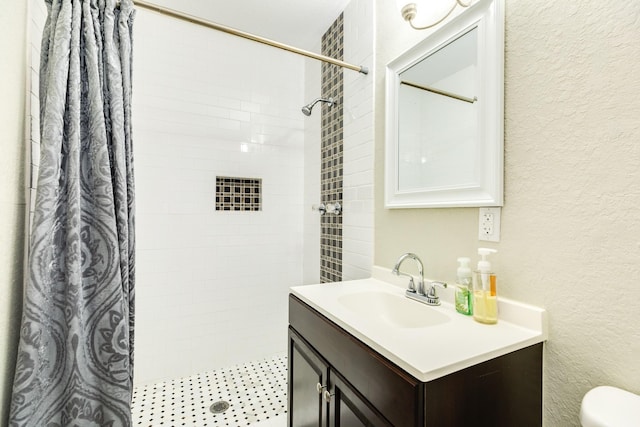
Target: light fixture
x,y
410,11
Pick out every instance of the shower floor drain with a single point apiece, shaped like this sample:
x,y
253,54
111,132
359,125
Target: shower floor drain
x,y
219,407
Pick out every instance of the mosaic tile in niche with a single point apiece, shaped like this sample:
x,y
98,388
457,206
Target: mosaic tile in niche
x,y
238,194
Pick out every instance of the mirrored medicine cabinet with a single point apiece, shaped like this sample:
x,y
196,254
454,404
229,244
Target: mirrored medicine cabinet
x,y
444,115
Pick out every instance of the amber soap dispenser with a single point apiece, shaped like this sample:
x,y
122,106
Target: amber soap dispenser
x,y
485,299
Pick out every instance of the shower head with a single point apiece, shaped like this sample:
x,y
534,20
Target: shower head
x,y
306,110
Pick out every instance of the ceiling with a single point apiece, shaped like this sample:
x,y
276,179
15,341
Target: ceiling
x,y
299,23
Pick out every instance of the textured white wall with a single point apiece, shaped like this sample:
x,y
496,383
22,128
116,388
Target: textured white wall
x,y
571,220
37,19
13,69
212,286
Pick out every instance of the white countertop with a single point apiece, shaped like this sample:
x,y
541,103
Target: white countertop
x,y
428,352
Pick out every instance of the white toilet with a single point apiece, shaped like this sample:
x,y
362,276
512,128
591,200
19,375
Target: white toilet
x,y
607,406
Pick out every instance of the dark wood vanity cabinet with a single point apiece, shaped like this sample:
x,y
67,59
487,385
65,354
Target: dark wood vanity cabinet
x,y
319,396
335,380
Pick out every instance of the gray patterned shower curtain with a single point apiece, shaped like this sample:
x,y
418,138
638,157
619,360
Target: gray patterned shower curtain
x,y
75,356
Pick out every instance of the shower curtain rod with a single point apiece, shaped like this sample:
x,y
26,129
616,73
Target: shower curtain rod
x,y
440,92
189,18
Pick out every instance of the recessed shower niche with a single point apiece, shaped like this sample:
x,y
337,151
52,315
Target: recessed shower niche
x,y
238,194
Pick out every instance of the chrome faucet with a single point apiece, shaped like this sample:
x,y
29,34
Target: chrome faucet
x,y
396,271
431,296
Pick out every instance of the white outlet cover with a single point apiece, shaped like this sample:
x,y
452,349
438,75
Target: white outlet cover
x,y
494,236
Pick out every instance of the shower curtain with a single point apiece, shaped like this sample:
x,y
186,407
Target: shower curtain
x,y
75,355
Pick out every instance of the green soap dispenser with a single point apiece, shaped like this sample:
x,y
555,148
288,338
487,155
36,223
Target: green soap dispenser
x,y
463,293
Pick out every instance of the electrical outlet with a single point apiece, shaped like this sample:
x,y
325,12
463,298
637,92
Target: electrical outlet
x,y
486,224
489,224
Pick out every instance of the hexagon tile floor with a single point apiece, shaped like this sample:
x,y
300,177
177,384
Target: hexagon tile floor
x,y
256,393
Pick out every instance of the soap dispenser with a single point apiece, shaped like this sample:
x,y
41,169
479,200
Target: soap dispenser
x,y
463,287
485,300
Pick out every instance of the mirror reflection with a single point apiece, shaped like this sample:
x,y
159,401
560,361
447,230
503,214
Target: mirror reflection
x,y
438,118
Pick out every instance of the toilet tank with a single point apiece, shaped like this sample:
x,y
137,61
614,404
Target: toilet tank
x,y
607,406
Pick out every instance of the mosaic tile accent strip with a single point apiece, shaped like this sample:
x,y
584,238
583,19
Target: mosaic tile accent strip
x,y
238,194
255,391
331,152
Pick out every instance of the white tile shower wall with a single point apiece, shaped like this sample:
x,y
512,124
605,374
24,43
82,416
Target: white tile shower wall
x,y
357,233
212,286
312,168
357,256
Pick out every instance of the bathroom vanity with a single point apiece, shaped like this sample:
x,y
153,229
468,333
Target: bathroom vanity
x,y
346,369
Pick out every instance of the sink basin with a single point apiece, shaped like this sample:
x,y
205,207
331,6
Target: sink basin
x,y
392,309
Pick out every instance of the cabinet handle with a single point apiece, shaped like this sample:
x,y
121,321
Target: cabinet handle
x,y
327,396
320,387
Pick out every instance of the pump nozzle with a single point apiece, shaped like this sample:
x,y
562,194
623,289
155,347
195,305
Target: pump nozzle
x,y
463,267
464,261
484,265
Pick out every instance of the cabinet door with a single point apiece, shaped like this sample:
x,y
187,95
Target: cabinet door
x,y
394,393
348,408
308,376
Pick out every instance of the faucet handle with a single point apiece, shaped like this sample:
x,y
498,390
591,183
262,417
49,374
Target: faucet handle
x,y
432,294
437,283
412,285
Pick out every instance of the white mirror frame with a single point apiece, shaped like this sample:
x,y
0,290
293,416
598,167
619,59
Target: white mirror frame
x,y
488,17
